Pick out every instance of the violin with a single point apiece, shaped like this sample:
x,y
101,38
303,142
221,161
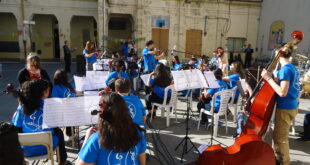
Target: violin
x,y
10,90
249,148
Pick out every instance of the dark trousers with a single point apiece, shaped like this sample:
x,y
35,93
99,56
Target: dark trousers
x,y
61,144
248,59
307,126
153,98
68,65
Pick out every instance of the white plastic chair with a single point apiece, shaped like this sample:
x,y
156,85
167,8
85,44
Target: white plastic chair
x,y
225,97
235,106
39,138
167,105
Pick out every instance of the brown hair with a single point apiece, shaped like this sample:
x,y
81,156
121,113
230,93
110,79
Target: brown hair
x,y
33,60
88,46
161,76
60,78
123,85
238,68
117,130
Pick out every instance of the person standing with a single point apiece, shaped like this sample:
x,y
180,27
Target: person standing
x,y
90,55
287,88
248,56
150,57
67,56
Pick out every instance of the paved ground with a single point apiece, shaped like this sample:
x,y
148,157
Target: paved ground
x,y
171,136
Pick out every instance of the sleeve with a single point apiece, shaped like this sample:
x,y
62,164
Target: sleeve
x,y
90,151
142,107
144,52
18,118
84,52
152,81
142,142
211,91
284,74
21,77
109,77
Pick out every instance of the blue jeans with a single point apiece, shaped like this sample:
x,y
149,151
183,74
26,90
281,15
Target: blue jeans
x,y
241,121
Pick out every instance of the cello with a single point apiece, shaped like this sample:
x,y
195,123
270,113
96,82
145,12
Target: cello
x,y
249,147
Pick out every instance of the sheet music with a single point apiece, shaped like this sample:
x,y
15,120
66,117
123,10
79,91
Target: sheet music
x,y
96,79
193,79
145,78
211,80
180,80
66,112
79,83
91,93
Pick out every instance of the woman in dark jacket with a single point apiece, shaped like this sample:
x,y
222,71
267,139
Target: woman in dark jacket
x,y
32,70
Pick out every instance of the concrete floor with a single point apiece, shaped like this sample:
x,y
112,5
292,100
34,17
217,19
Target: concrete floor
x,y
171,136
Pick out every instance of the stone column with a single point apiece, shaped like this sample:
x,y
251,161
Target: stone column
x,y
102,25
64,25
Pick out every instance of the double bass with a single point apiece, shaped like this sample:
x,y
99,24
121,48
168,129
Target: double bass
x,y
249,148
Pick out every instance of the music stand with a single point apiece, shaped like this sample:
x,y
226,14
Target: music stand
x,y
186,138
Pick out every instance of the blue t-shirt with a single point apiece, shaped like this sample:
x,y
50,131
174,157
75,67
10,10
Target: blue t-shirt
x,y
91,152
177,66
61,91
149,60
233,83
115,75
32,124
289,73
215,63
89,59
159,91
136,109
212,91
125,50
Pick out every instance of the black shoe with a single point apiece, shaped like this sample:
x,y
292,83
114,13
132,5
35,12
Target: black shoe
x,y
235,135
304,140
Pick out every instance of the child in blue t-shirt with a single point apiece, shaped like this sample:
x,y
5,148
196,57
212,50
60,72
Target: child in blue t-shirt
x,y
117,64
159,82
90,55
135,106
62,88
287,89
176,64
207,95
118,141
237,74
29,117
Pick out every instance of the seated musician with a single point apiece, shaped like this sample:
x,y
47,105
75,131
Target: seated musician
x,y
176,64
90,55
62,89
207,94
237,73
135,106
118,73
158,80
118,140
28,117
287,88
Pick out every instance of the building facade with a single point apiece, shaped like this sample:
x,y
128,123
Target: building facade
x,y
193,26
279,18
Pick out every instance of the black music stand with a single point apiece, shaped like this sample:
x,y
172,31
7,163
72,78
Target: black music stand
x,y
186,139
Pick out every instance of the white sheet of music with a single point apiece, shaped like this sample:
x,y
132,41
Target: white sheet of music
x,y
145,78
96,79
66,112
79,83
193,79
180,80
211,80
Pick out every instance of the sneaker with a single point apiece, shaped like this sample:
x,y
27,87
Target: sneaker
x,y
304,140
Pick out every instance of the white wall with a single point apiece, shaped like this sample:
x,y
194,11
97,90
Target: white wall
x,y
296,16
